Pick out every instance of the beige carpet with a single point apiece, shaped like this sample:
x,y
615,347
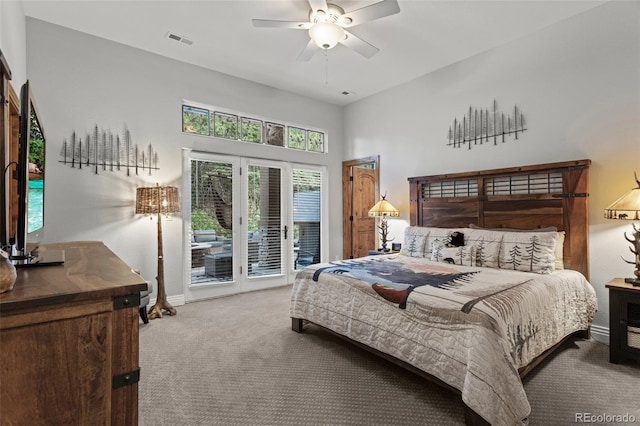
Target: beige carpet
x,y
235,361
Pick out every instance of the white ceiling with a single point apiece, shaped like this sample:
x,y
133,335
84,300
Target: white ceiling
x,y
423,37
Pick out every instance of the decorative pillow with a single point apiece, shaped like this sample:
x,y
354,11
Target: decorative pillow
x,y
528,251
462,255
487,245
560,251
415,239
559,242
414,245
438,235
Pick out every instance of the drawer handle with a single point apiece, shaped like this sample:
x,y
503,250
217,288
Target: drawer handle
x,y
126,301
126,379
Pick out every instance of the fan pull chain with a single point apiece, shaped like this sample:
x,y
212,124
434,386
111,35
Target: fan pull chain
x,y
326,68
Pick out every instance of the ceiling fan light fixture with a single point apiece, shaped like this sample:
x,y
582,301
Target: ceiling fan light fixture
x,y
326,34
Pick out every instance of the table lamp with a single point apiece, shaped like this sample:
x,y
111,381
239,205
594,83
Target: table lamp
x,y
627,207
383,209
158,200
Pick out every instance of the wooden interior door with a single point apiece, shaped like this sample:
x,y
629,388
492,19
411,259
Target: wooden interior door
x,y
359,193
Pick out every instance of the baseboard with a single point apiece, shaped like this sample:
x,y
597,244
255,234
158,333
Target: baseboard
x,y
601,334
177,300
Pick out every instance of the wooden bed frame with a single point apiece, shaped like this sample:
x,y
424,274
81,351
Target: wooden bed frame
x,y
527,197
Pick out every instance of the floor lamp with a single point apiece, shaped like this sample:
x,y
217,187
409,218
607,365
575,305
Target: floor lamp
x,y
158,200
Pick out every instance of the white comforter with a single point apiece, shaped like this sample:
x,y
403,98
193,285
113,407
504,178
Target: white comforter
x,y
472,329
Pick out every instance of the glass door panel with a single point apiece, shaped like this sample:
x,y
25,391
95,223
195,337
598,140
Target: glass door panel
x,y
306,217
211,222
265,230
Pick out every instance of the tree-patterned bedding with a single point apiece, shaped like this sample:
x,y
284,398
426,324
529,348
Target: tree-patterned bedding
x,y
471,327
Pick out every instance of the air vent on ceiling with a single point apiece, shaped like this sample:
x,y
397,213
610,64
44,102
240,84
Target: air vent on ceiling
x,y
181,39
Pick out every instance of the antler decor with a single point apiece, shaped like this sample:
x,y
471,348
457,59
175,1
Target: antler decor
x,y
635,249
627,207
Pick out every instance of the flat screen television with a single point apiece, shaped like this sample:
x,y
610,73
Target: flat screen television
x,y
30,174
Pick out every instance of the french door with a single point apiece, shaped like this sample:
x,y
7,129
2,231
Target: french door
x,y
249,223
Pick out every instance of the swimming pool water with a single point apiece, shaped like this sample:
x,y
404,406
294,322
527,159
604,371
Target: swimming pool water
x,y
35,213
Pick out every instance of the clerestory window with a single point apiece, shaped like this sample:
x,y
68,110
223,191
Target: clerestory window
x,y
209,121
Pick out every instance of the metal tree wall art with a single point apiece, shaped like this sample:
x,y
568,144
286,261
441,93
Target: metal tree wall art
x,y
101,150
484,126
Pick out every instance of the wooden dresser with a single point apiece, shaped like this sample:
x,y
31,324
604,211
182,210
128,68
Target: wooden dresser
x,y
69,341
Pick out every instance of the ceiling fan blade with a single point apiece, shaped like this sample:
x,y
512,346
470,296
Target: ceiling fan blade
x,y
267,23
362,47
319,5
307,53
369,13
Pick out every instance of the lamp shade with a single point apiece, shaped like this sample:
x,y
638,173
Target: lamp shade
x,y
626,207
383,208
326,34
157,199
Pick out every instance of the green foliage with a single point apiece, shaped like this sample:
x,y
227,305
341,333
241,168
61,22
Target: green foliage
x,y
201,221
34,129
195,120
225,126
211,196
316,141
36,144
253,177
251,130
36,153
296,138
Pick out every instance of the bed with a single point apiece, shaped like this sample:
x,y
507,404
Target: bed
x,y
478,317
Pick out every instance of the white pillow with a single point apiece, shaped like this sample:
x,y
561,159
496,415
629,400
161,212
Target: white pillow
x,y
560,251
415,240
529,251
487,245
463,255
559,242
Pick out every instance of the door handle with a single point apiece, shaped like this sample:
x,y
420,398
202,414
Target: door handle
x,y
285,231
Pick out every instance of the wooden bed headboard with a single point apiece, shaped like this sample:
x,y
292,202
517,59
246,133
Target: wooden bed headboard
x,y
527,197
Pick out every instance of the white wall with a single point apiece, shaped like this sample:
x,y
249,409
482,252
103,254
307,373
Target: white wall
x,y
578,83
80,81
13,40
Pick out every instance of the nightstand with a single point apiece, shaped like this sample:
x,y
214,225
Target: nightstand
x,y
624,321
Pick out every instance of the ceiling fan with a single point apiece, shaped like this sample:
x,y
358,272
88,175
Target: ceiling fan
x,y
327,26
